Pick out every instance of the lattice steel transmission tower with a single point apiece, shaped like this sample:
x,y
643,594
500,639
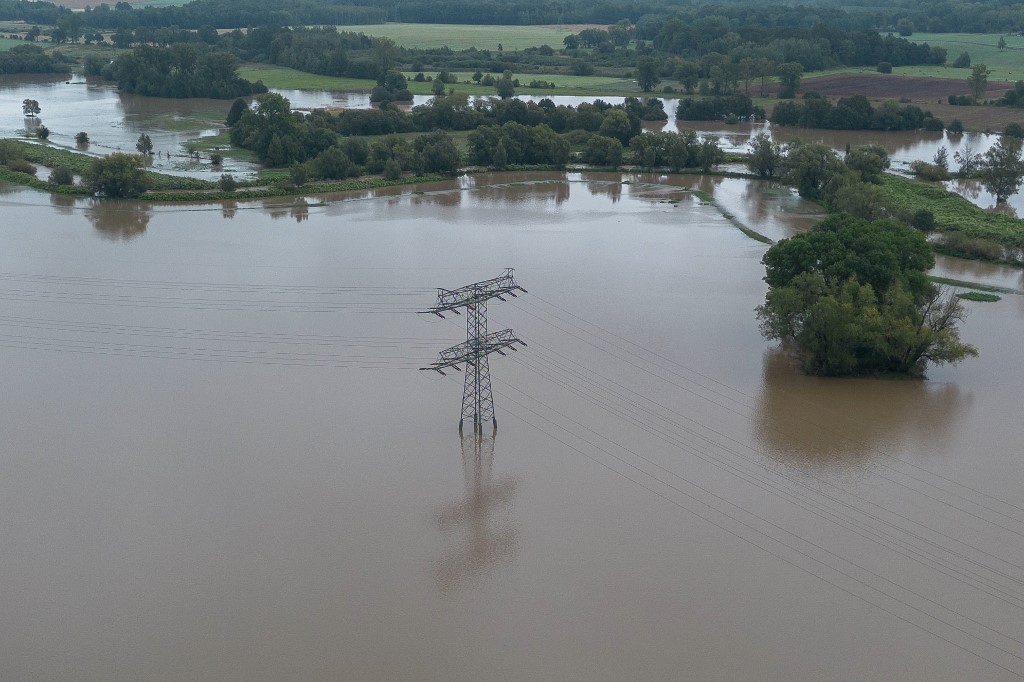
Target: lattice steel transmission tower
x,y
477,399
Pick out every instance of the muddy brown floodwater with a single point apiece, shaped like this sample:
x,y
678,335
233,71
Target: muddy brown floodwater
x,y
220,462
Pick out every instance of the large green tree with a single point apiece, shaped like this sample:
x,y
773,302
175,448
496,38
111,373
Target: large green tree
x,y
647,73
852,296
117,175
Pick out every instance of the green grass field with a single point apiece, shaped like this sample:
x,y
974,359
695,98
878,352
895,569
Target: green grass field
x,y
463,37
1006,64
7,43
289,79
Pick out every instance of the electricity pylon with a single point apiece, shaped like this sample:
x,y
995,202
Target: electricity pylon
x,y
477,399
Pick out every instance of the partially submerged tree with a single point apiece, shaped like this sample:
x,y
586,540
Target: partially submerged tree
x,y
30,107
765,156
144,144
852,296
1002,170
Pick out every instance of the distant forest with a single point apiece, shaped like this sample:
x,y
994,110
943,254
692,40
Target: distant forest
x,y
741,16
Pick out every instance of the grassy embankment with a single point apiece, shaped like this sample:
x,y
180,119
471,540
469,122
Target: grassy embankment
x,y
967,230
174,188
283,78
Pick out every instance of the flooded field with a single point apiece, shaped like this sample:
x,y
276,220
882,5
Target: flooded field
x,y
221,463
114,122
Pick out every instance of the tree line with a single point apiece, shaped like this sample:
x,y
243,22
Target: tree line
x,y
181,70
853,113
904,17
32,59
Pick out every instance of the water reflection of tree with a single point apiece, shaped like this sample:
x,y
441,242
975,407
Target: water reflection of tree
x,y
299,210
228,209
609,188
484,543
62,203
556,191
446,199
814,422
119,220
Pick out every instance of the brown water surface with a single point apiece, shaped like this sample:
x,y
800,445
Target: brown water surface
x,y
221,463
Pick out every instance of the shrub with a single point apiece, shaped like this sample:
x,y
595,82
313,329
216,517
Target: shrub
x,y
923,220
929,171
42,132
955,126
884,67
1014,130
227,182
62,175
82,138
216,159
392,170
21,166
959,244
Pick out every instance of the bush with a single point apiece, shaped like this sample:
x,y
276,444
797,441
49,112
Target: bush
x,y
929,171
21,166
884,67
955,126
216,159
82,138
392,170
958,244
42,132
62,175
1014,130
227,182
923,220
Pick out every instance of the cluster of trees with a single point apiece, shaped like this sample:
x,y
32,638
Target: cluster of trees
x,y
845,184
282,138
718,108
517,144
456,112
694,34
851,295
32,59
504,133
181,70
852,113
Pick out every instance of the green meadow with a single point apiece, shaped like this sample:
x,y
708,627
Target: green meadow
x,y
282,78
463,37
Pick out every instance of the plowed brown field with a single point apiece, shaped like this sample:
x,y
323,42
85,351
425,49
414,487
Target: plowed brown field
x,y
928,93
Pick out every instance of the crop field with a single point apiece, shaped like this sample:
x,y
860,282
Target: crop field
x,y
463,37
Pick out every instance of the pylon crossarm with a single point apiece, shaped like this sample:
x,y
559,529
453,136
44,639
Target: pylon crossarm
x,y
469,351
449,300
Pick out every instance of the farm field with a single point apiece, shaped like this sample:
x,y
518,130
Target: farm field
x,y
463,37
